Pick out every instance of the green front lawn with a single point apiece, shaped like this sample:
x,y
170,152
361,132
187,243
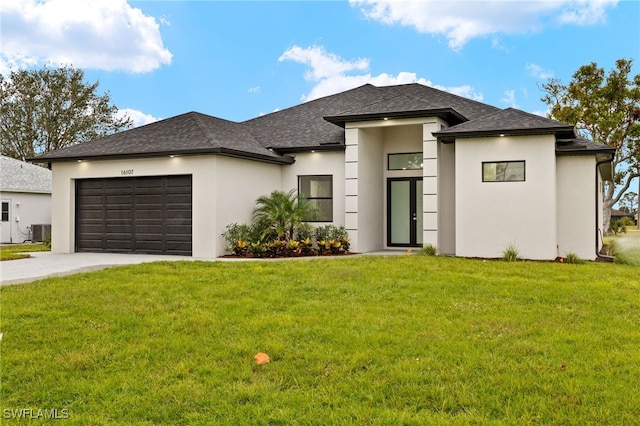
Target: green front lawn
x,y
628,247
357,340
20,251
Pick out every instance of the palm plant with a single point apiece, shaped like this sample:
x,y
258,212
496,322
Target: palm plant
x,y
281,212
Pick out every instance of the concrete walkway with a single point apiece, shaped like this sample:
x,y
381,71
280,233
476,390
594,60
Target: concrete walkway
x,y
46,264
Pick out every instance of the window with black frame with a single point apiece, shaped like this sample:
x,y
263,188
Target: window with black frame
x,y
405,161
5,211
318,189
503,171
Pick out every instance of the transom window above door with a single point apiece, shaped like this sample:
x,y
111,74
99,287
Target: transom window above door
x,y
405,161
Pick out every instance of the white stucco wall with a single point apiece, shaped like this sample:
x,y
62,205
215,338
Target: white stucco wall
x,y
224,191
492,215
370,190
446,199
367,146
577,206
238,184
30,208
319,163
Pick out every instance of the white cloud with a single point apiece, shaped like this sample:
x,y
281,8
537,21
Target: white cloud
x,y
583,12
254,89
537,71
322,64
96,34
510,98
544,113
460,22
139,118
329,73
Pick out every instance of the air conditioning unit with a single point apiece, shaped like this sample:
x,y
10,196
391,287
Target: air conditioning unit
x,y
39,233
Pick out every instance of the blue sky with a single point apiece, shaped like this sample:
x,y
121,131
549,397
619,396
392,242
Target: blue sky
x,y
239,59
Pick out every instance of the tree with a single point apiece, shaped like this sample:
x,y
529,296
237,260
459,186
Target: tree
x,y
47,109
629,203
605,109
282,212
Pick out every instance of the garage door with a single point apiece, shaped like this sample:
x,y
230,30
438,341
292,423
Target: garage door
x,y
134,215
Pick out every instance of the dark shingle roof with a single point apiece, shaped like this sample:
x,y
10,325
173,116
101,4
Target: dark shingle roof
x,y
579,145
415,100
18,176
311,125
508,121
308,125
188,133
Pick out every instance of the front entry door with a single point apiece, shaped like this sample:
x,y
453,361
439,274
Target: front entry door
x,y
404,212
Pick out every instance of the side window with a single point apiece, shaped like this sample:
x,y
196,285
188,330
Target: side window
x,y
5,211
503,171
318,189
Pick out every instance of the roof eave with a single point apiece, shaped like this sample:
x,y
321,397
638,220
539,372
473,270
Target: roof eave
x,y
450,115
25,191
212,151
450,137
327,147
585,151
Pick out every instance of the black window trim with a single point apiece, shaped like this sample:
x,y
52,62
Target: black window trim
x,y
5,212
524,174
318,198
401,153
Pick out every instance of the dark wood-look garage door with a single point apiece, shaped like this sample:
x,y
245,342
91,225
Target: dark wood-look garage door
x,y
134,215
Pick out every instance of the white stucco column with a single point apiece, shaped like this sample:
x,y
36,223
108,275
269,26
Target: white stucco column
x,y
430,182
351,186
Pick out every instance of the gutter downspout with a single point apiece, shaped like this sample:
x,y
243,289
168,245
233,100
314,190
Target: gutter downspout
x,y
598,255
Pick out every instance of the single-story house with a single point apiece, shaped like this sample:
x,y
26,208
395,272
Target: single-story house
x,y
620,214
25,197
399,166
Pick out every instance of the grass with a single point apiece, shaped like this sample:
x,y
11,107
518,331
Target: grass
x,y
358,340
20,251
626,247
510,253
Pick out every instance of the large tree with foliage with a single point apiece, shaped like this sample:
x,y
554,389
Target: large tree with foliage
x,y
606,109
51,108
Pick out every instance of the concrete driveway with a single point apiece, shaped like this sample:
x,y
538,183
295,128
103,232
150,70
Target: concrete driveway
x,y
46,264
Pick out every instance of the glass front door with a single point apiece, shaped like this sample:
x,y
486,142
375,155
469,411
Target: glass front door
x,y
404,212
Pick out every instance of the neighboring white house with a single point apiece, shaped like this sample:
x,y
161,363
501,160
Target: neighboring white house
x,y
398,166
25,196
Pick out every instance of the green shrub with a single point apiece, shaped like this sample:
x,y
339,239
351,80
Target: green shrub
x,y
332,239
304,231
257,249
573,258
617,226
622,258
428,250
511,253
282,212
610,247
306,247
627,221
331,232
